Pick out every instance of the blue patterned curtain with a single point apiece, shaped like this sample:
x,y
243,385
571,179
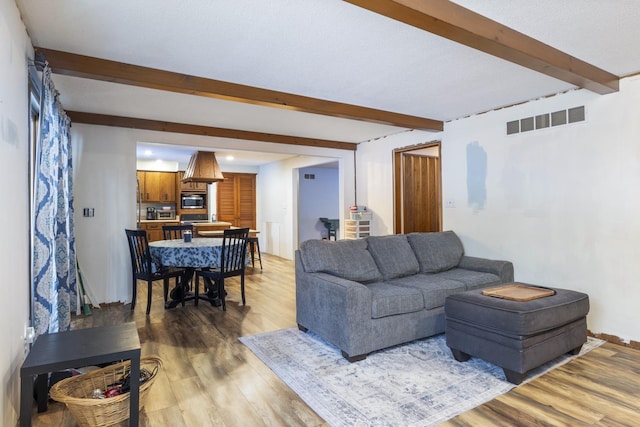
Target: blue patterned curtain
x,y
55,295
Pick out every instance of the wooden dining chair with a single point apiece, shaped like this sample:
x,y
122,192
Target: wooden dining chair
x,y
232,263
172,232
143,267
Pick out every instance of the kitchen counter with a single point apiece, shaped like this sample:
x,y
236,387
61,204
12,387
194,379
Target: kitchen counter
x,y
220,233
209,226
212,224
153,227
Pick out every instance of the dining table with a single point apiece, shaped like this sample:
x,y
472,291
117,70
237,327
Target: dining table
x,y
200,252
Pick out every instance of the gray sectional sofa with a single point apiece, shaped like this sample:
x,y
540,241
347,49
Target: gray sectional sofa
x,y
369,294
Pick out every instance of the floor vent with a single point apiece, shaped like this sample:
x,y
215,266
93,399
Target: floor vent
x,y
556,118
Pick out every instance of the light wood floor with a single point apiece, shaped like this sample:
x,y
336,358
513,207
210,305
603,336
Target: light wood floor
x,y
210,379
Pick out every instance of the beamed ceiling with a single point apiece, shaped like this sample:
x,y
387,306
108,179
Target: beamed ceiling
x,y
282,75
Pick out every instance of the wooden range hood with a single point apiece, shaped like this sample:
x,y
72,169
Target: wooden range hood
x,y
203,167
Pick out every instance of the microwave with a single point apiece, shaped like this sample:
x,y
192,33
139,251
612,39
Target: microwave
x,y
193,201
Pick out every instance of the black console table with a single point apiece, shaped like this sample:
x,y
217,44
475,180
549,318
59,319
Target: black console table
x,y
76,349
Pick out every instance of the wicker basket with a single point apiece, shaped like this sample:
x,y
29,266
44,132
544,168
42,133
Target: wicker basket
x,y
75,392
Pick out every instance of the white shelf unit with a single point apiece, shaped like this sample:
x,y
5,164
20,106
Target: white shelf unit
x,y
358,226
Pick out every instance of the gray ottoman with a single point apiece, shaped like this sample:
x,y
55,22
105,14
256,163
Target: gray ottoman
x,y
517,336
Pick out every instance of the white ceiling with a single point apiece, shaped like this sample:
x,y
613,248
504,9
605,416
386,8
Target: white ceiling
x,y
325,49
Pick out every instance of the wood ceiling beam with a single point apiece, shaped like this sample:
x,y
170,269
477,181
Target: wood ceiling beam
x,y
71,64
156,125
456,23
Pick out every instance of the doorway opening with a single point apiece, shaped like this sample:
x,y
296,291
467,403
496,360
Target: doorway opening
x,y
417,188
318,197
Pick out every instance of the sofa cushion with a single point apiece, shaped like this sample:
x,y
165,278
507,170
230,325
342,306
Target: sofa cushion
x,y
393,256
471,279
389,300
434,288
348,259
436,251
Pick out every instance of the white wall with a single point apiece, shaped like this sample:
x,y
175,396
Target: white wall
x,y
560,203
157,165
374,171
279,186
104,161
317,198
15,47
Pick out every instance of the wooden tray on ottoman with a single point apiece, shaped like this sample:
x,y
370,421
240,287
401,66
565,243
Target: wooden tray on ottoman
x,y
518,292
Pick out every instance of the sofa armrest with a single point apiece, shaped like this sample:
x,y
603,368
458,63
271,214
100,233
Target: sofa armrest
x,y
504,269
337,309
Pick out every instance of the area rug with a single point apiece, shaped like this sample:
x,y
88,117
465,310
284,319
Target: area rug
x,y
415,384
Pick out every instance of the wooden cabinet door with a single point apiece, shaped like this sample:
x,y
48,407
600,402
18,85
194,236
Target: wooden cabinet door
x,y
141,181
151,187
236,199
157,186
167,187
184,186
155,235
148,185
191,186
154,231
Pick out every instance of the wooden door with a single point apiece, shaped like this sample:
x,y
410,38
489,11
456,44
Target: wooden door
x,y
226,199
418,200
246,193
236,199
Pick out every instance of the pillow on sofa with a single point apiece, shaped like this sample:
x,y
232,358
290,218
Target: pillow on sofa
x,y
348,259
393,256
436,252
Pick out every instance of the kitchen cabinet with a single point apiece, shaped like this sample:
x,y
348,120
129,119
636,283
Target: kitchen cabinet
x,y
236,199
157,186
199,187
154,229
167,186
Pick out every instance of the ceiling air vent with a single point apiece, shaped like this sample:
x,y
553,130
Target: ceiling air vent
x,y
556,118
